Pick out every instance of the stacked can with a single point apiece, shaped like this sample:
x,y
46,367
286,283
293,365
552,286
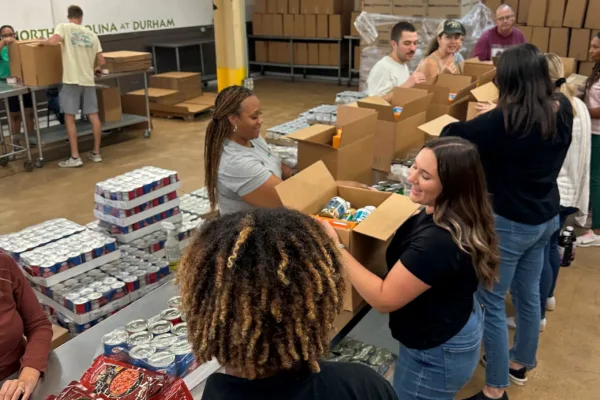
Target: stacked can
x,y
202,192
323,114
66,253
136,183
16,244
287,128
194,205
116,229
155,242
125,213
349,96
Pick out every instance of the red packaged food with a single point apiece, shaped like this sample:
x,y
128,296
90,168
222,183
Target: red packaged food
x,y
110,379
73,391
176,390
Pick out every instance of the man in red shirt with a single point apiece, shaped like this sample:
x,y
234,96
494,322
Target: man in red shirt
x,y
497,39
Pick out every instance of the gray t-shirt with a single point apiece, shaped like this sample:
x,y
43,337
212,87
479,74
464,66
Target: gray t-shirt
x,y
242,170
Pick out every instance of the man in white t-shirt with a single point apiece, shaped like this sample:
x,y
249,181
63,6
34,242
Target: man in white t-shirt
x,y
81,51
391,71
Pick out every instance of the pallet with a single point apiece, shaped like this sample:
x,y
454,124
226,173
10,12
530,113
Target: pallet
x,y
189,117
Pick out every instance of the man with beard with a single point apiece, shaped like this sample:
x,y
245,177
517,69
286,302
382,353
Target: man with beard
x,y
391,71
502,36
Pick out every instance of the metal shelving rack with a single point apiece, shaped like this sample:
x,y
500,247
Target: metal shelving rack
x,y
351,69
293,66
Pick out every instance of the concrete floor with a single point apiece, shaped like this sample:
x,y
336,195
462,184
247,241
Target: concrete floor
x,y
573,332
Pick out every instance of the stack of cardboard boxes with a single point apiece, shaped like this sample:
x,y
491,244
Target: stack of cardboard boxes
x,y
420,8
301,19
564,27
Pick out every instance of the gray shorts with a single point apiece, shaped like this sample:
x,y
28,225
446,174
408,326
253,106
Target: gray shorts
x,y
73,98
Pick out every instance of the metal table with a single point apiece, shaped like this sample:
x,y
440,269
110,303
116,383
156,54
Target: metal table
x,y
7,90
178,45
291,65
351,69
69,361
58,133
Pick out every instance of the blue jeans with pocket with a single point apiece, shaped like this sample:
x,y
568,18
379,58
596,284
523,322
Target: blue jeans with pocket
x,y
522,252
442,371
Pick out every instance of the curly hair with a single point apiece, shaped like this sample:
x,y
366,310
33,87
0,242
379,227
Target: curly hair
x,y
261,291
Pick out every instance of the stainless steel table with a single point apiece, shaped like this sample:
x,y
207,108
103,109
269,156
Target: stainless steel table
x,y
178,45
8,90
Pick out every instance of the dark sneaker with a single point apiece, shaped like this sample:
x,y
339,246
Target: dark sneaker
x,y
517,376
481,396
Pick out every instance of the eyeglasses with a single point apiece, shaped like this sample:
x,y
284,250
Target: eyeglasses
x,y
7,35
506,18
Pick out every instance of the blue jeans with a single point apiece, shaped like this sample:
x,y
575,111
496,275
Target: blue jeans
x,y
521,260
440,372
552,261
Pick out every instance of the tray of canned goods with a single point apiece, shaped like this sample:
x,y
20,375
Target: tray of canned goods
x,y
75,328
287,128
194,205
202,192
155,242
136,187
349,96
14,244
68,257
127,234
122,219
323,114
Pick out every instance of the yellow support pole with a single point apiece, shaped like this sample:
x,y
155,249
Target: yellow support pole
x,y
230,40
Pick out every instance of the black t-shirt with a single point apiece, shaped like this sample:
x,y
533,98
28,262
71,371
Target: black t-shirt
x,y
336,381
520,171
429,253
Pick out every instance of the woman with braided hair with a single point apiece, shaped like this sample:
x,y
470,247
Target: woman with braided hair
x,y
240,171
260,291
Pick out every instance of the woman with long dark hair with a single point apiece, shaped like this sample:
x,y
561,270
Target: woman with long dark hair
x,y
436,261
523,143
443,54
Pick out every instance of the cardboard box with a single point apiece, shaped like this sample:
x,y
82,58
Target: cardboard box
x,y
540,38
282,7
592,19
395,137
527,31
494,4
585,68
433,129
299,25
323,26
334,55
288,25
521,9
356,58
109,104
579,45
338,26
307,7
261,51
481,72
310,190
575,13
353,31
272,6
329,7
352,160
294,7
127,61
538,10
570,65
559,41
313,53
161,96
279,52
258,25
260,6
481,94
276,22
378,8
310,26
324,54
35,65
300,54
578,81
413,11
459,86
60,336
445,12
180,81
556,13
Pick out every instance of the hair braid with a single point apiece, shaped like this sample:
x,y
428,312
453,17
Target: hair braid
x,y
228,102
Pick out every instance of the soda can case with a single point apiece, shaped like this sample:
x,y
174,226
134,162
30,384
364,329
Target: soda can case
x,y
115,342
163,362
136,183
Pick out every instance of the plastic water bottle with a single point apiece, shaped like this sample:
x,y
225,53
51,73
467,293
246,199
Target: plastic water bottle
x,y
574,238
172,250
565,248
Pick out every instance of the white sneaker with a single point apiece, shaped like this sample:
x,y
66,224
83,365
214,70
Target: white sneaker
x,y
510,321
71,163
550,303
94,157
590,239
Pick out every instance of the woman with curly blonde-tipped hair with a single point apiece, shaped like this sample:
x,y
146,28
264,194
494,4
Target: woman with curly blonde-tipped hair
x,y
261,291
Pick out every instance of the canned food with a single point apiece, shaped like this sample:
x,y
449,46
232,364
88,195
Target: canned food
x,y
174,302
132,283
139,355
164,362
110,244
95,285
363,213
95,300
114,341
164,270
74,259
160,327
184,358
81,305
180,329
140,338
136,326
172,315
349,215
164,341
69,299
86,291
86,280
118,290
106,292
152,275
336,208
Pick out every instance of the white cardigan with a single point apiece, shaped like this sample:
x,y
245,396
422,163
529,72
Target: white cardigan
x,y
574,177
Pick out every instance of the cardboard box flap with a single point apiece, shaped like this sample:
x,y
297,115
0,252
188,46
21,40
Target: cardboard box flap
x,y
487,92
576,79
416,106
154,92
346,115
486,77
403,96
436,126
455,83
309,190
569,65
356,124
126,56
387,218
385,112
477,69
321,135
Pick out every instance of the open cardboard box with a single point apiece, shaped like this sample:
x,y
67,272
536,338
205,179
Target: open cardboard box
x,y
434,128
578,81
352,160
459,86
309,191
396,137
569,64
484,93
35,65
482,72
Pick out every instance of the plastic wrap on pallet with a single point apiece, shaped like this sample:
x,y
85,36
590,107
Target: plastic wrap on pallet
x,y
476,21
282,130
325,114
287,155
349,96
